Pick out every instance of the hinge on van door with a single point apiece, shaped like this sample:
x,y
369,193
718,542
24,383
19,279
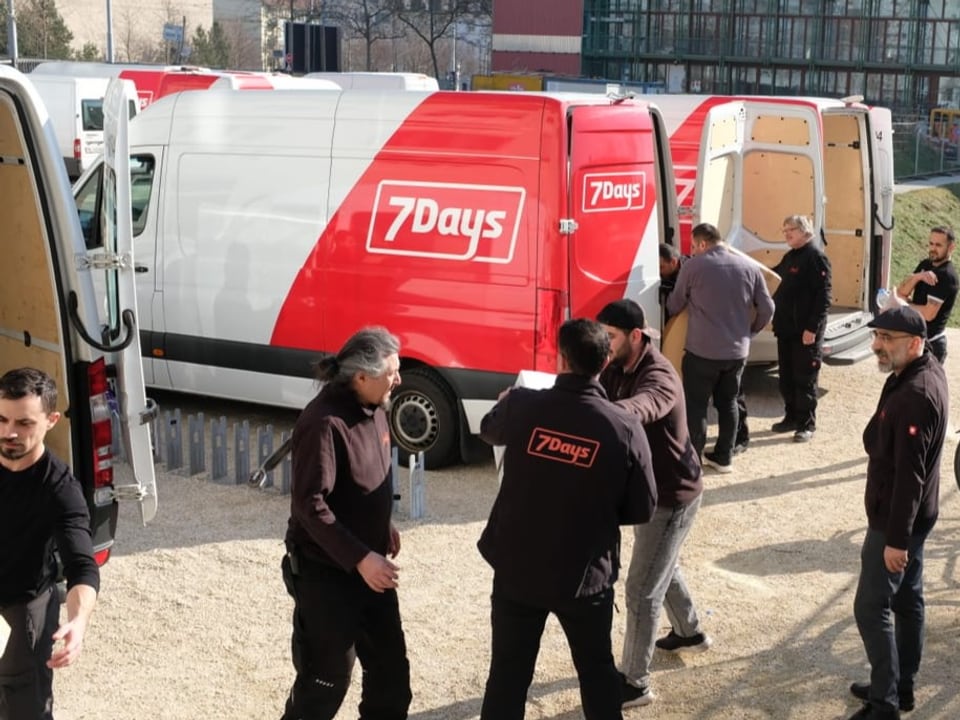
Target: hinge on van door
x,y
103,261
128,492
568,226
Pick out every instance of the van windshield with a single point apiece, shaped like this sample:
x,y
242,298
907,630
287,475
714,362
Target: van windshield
x,y
92,114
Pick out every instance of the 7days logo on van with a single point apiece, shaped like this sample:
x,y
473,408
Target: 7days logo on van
x,y
604,192
446,221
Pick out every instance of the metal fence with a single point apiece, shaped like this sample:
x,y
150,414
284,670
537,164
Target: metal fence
x,y
916,153
242,455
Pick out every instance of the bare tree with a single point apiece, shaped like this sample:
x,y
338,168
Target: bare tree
x,y
432,21
367,20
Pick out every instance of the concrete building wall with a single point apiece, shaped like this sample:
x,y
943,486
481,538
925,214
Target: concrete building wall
x,y
137,24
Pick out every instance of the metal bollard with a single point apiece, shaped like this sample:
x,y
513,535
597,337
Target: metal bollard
x,y
197,443
264,451
174,438
417,490
241,452
218,448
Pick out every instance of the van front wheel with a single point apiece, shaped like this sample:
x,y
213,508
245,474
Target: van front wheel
x,y
423,417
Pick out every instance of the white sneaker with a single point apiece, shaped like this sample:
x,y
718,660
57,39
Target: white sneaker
x,y
710,460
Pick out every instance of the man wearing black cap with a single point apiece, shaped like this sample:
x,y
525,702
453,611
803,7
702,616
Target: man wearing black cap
x,y
642,381
903,441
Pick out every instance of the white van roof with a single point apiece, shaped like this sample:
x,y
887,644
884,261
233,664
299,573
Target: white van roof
x,y
379,80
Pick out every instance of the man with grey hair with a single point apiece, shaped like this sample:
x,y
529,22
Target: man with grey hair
x,y
799,321
339,535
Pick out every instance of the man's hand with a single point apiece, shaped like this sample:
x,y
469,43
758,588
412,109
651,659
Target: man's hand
x,y
895,559
808,337
71,633
378,572
80,602
393,549
927,276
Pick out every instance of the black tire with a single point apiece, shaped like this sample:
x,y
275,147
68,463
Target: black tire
x,y
956,466
423,417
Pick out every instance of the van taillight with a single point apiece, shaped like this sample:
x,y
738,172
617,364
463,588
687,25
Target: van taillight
x,y
101,556
102,429
77,149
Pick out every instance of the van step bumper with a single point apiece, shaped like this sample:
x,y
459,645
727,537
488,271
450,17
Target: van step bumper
x,y
848,349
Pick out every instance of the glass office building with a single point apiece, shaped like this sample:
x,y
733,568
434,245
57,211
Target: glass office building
x,y
904,54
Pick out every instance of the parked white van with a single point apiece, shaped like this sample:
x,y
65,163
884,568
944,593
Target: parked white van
x,y
48,307
378,80
75,106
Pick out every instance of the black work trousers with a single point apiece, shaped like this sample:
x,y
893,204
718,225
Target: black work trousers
x,y
799,370
337,619
704,379
26,683
517,629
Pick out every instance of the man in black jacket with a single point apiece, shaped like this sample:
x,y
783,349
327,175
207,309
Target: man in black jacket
x,y
41,506
904,442
576,467
799,321
643,382
339,536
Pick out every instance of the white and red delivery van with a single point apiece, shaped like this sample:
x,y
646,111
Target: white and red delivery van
x,y
745,163
49,309
271,226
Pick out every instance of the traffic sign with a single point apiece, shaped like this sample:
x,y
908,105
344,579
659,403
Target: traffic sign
x,y
172,33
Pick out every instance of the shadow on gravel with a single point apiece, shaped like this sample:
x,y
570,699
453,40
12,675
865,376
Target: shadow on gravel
x,y
810,671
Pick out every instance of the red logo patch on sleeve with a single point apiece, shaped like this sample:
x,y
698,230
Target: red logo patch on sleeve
x,y
912,430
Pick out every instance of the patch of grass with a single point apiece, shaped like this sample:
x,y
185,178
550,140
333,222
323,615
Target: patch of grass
x,y
914,213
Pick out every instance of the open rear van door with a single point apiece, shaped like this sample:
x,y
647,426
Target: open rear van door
x,y
761,161
616,229
134,409
881,169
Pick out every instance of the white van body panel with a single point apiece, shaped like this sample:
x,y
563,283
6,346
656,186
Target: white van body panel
x,y
75,106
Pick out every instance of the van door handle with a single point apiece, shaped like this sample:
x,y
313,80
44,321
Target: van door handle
x,y
140,269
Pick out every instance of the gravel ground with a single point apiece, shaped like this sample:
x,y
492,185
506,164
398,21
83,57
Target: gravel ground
x,y
193,620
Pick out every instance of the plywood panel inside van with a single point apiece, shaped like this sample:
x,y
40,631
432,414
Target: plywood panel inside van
x,y
775,185
846,263
27,294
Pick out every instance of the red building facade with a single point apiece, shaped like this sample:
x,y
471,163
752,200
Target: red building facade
x,y
537,36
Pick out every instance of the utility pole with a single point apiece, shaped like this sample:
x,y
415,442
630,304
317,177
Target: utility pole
x,y
109,31
12,34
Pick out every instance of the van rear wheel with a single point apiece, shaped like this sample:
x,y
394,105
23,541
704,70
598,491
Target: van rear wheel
x,y
423,418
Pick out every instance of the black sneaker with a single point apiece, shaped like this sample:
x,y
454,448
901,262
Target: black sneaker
x,y
871,712
672,642
633,696
711,460
803,436
861,691
785,425
740,447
